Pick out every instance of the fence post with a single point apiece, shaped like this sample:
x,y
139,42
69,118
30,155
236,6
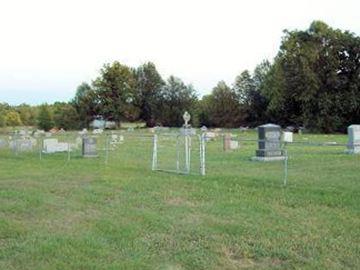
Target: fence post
x,y
285,167
107,148
154,157
202,154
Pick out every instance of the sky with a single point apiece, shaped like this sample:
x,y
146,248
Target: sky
x,y
47,48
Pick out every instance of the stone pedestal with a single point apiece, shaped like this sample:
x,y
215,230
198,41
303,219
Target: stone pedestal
x,y
354,139
89,147
227,142
269,145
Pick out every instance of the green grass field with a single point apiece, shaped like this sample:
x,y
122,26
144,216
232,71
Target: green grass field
x,y
83,214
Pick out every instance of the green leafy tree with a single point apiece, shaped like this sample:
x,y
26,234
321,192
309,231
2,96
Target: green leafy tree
x,y
12,118
116,92
176,98
4,108
65,116
205,110
44,118
86,104
149,87
250,91
315,79
224,107
27,114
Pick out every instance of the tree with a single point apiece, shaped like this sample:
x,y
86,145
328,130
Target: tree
x,y
65,116
149,87
27,114
315,79
4,107
224,108
116,91
12,118
174,100
44,119
204,111
86,104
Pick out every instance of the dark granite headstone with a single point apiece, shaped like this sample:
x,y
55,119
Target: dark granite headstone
x,y
89,147
269,145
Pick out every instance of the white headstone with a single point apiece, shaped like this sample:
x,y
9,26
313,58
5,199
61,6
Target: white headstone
x,y
53,146
83,132
234,145
98,131
287,136
354,139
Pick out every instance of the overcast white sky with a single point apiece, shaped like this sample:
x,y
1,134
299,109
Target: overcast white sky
x,y
47,48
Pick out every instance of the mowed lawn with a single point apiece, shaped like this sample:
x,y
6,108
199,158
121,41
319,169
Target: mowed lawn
x,y
83,214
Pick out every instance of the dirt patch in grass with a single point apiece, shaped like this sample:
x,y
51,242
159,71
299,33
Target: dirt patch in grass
x,y
66,221
178,201
236,261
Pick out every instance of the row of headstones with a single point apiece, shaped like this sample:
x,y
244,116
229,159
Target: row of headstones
x,y
52,145
269,142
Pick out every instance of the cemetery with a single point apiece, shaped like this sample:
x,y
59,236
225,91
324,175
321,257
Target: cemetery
x,y
184,193
180,135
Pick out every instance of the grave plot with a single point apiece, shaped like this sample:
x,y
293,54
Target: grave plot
x,y
179,153
18,145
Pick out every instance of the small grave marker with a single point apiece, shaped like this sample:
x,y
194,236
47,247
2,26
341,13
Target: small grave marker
x,y
354,139
89,147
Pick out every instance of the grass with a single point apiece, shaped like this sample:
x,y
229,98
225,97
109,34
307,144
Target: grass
x,y
81,214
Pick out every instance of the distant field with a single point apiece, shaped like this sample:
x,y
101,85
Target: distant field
x,y
83,214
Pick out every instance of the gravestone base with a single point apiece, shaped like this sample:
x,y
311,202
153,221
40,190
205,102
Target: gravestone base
x,y
266,159
90,156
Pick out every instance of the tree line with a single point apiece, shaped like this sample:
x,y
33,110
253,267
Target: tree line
x,y
314,82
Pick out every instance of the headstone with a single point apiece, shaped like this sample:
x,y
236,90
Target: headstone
x,y
287,136
51,146
242,129
230,142
22,132
83,132
354,139
21,144
3,143
110,124
89,147
25,145
269,145
234,145
227,141
37,133
98,131
209,136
